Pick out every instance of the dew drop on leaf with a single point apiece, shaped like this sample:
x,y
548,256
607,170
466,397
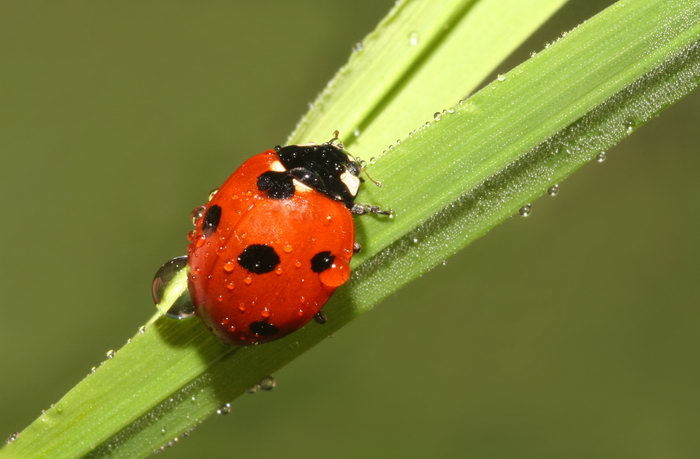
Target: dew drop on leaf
x,y
224,410
164,275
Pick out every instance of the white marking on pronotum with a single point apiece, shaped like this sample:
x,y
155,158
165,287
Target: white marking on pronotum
x,y
277,166
352,182
300,187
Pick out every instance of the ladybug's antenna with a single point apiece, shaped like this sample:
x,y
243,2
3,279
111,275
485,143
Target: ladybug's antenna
x,y
363,164
376,182
336,139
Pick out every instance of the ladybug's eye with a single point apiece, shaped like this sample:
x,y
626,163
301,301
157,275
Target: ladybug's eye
x,y
353,168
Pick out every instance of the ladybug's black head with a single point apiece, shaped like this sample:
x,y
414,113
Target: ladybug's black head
x,y
326,168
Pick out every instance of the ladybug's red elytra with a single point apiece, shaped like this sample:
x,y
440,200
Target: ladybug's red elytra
x,y
275,241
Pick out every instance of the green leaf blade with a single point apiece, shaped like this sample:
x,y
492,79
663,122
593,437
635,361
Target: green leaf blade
x,y
440,49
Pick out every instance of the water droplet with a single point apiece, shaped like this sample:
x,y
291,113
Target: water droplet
x,y
193,398
629,126
356,132
226,409
415,240
182,307
93,369
501,77
533,53
288,248
267,383
265,313
413,38
220,298
164,275
553,190
601,157
373,160
278,270
248,280
336,275
443,262
437,116
197,213
162,430
13,436
229,266
230,285
142,329
212,193
358,47
297,264
525,210
110,353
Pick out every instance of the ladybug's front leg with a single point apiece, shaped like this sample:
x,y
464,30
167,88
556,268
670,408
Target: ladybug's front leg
x,y
362,209
320,317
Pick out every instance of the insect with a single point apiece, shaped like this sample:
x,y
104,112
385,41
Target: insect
x,y
275,241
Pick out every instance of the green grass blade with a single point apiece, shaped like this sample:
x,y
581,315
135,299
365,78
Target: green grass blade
x,y
450,182
421,58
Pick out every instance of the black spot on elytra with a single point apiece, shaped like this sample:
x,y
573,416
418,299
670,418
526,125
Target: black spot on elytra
x,y
211,220
322,261
278,185
259,258
263,328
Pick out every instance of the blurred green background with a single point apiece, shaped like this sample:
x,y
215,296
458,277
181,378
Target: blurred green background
x,y
571,333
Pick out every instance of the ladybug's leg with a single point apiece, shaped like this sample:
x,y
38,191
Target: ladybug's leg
x,y
362,209
356,247
320,317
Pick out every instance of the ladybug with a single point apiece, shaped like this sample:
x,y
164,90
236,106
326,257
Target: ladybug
x,y
275,241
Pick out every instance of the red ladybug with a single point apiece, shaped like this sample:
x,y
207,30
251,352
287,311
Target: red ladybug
x,y
275,241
